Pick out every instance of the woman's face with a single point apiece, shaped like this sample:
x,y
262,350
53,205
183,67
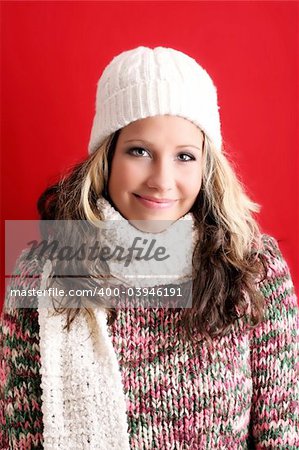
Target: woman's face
x,y
156,171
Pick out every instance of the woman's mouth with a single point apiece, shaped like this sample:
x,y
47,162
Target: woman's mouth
x,y
154,202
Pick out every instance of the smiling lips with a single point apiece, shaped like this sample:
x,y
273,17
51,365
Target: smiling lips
x,y
155,203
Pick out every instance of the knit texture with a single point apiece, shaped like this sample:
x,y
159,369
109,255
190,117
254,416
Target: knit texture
x,y
145,82
178,239
21,418
83,398
240,394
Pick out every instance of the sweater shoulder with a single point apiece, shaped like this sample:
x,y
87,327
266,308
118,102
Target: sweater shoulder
x,y
276,284
19,318
274,262
23,282
269,246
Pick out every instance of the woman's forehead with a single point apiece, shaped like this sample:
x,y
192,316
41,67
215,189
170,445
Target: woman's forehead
x,y
160,128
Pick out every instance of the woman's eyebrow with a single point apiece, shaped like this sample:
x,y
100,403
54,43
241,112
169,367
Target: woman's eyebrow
x,y
189,145
149,144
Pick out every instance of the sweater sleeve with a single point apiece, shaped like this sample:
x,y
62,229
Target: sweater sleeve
x,y
21,422
274,360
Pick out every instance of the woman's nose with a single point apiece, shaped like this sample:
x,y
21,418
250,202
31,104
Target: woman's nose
x,y
161,176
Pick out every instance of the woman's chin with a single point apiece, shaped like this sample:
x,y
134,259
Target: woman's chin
x,y
151,225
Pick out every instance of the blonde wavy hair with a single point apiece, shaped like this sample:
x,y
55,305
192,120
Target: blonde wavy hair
x,y
227,259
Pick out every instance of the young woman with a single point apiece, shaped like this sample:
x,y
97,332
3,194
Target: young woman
x,y
221,373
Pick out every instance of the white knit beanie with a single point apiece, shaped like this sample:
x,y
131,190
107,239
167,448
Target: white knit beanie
x,y
146,82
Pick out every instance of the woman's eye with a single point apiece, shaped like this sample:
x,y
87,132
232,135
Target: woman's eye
x,y
138,151
185,157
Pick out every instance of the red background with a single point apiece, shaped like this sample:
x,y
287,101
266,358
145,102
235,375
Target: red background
x,y
52,54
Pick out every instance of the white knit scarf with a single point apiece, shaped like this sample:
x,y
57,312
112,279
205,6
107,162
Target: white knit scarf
x,y
83,401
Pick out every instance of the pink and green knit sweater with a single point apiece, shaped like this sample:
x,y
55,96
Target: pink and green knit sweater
x,y
241,393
